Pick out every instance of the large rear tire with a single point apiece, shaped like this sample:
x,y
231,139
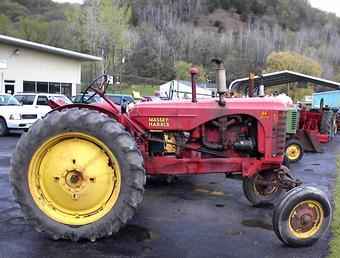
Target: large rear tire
x,y
302,216
77,174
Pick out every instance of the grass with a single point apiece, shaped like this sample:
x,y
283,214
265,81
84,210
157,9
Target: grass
x,y
335,242
144,90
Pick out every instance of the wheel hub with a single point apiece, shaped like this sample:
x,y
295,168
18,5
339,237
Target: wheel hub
x,y
266,183
293,152
74,178
306,219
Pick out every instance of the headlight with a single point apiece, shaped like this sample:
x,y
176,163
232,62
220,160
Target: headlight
x,y
15,117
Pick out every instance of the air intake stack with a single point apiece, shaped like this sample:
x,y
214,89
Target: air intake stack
x,y
221,81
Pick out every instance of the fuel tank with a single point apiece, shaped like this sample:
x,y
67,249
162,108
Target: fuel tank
x,y
185,115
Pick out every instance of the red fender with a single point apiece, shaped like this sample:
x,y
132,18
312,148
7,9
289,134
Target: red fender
x,y
102,107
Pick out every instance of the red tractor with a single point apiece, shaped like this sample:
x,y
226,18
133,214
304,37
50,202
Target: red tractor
x,y
79,173
307,128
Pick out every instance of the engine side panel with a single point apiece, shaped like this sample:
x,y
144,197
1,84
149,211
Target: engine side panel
x,y
185,116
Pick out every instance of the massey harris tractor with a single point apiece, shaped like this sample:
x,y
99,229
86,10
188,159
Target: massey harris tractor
x,y
79,173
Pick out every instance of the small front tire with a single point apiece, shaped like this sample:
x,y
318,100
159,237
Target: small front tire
x,y
294,151
302,216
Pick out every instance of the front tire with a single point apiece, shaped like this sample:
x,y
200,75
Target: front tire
x,y
302,217
262,194
294,150
77,174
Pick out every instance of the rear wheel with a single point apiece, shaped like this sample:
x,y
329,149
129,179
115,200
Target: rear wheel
x,y
294,150
3,127
262,188
77,174
302,216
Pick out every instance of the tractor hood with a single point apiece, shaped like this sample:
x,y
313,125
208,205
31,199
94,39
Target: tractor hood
x,y
185,115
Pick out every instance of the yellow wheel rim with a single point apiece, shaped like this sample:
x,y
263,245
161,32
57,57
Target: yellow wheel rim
x,y
74,178
306,219
293,152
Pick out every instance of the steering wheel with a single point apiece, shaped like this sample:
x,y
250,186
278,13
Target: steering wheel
x,y
98,86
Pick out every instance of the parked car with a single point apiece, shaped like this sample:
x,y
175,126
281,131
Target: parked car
x,y
150,98
119,98
40,101
15,116
78,99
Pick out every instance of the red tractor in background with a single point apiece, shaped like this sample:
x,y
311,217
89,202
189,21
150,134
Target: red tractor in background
x,y
307,128
79,173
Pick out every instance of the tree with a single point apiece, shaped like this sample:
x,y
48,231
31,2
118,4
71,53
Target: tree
x,y
151,57
279,61
5,25
33,29
183,68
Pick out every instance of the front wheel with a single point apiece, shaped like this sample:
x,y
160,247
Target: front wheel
x,y
302,216
263,188
294,150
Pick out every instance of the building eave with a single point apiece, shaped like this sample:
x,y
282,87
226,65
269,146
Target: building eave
x,y
48,49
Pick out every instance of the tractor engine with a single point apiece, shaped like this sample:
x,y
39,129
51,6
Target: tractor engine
x,y
231,136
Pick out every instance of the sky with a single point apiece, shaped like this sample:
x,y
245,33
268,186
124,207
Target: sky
x,y
326,5
332,6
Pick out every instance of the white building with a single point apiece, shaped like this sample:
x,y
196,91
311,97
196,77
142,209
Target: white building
x,y
31,67
176,90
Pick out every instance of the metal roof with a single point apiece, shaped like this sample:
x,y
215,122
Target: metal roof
x,y
283,77
49,49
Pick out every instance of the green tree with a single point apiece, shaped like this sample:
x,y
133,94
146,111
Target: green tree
x,y
6,26
278,61
33,29
182,71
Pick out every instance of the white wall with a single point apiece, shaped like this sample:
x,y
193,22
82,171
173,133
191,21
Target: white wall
x,y
32,65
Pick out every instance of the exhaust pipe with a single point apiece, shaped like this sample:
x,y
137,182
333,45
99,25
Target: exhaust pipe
x,y
193,72
221,81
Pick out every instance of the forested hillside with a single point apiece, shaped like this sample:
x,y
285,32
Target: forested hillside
x,y
145,40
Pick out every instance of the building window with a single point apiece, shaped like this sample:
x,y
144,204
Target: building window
x,y
9,86
66,89
48,87
29,86
42,87
54,87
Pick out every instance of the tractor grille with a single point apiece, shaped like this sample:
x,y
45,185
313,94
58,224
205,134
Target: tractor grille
x,y
292,121
29,116
279,134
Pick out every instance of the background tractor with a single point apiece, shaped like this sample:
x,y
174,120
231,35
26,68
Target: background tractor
x,y
307,128
79,173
